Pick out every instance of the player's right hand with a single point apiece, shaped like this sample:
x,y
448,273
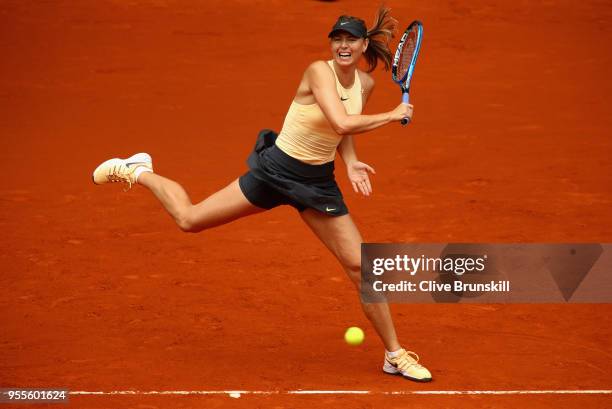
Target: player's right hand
x,y
402,111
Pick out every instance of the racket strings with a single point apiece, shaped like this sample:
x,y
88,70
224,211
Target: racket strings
x,y
406,54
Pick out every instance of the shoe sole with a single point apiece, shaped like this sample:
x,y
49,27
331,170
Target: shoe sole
x,y
424,380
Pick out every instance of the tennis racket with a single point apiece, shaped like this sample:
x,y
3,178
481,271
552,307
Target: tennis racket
x,y
405,60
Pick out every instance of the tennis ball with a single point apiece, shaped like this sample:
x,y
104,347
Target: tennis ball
x,y
354,336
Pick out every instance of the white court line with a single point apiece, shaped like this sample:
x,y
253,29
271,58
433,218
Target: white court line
x,y
354,392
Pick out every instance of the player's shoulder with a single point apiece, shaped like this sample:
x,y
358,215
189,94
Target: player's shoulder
x,y
318,67
367,81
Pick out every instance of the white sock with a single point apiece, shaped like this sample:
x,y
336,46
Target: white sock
x,y
393,354
139,171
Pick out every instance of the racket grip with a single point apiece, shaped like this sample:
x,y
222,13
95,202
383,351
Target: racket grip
x,y
405,100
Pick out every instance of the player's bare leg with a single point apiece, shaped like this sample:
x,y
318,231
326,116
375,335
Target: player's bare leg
x,y
341,236
222,207
343,239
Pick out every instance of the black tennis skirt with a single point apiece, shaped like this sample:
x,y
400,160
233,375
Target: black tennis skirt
x,y
276,178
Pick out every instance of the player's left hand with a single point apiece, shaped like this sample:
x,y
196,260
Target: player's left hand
x,y
358,175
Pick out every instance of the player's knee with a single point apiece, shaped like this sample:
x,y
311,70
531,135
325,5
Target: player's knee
x,y
185,225
353,269
185,222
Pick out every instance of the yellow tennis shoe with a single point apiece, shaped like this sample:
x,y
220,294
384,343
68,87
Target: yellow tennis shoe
x,y
406,363
122,170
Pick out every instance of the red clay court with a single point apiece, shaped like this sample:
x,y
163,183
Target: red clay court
x,y
100,291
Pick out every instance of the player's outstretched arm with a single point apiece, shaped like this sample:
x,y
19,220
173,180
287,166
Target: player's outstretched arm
x,y
322,83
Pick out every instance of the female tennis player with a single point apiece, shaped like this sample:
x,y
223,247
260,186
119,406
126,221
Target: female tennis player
x,y
296,167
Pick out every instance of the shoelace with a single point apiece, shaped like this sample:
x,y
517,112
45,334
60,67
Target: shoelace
x,y
408,359
118,174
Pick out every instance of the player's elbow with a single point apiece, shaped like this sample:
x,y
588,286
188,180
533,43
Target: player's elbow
x,y
341,130
342,127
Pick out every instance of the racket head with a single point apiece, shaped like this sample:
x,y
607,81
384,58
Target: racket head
x,y
406,54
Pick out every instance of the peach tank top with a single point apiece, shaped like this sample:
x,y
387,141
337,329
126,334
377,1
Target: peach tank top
x,y
307,135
